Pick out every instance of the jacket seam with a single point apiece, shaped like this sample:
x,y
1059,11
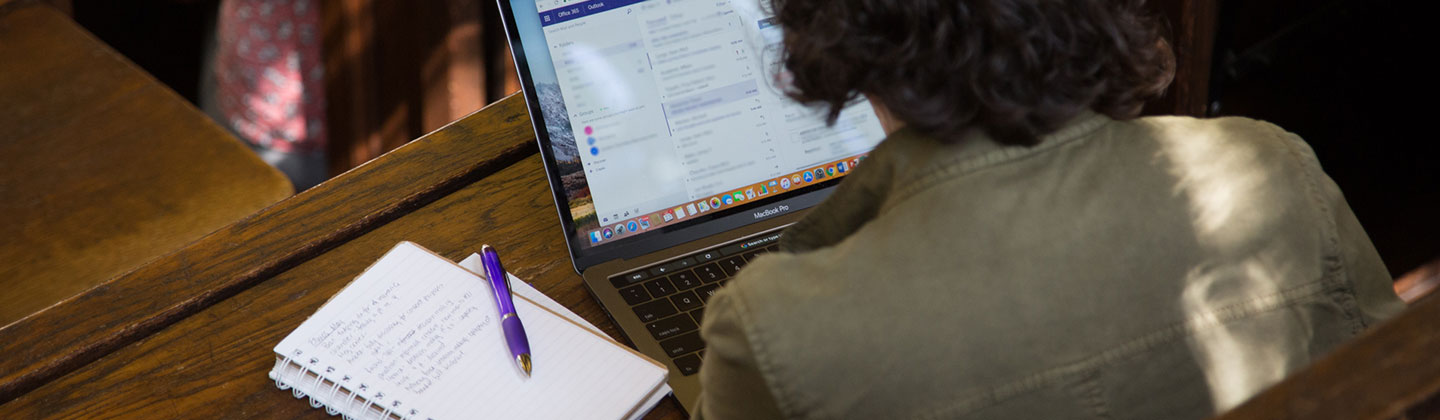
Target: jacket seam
x,y
1094,394
1332,258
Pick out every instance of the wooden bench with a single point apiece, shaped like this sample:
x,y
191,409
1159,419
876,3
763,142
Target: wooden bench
x,y
1389,372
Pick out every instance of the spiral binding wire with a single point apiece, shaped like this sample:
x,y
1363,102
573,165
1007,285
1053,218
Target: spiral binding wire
x,y
314,403
283,382
351,403
330,409
279,367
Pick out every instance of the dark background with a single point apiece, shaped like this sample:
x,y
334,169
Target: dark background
x,y
1348,76
166,38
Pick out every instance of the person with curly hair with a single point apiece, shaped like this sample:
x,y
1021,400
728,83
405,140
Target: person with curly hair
x,y
1021,245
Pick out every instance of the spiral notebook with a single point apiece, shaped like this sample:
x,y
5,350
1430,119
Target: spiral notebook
x,y
416,337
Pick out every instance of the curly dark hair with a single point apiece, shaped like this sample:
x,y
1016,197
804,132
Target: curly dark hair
x,y
1017,69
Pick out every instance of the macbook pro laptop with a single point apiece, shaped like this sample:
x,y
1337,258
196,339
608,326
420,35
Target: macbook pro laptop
x,y
674,156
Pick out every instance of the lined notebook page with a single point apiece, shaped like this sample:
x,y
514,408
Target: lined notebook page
x,y
420,335
520,287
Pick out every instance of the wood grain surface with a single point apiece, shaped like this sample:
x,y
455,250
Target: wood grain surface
x,y
102,168
1388,372
395,70
131,307
213,364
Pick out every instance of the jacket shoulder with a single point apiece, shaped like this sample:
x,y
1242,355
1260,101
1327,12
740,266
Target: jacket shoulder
x,y
1227,131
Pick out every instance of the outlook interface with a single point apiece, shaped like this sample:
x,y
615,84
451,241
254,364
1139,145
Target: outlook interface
x,y
660,108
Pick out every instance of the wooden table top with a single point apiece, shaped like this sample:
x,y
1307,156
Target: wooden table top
x,y
102,167
190,335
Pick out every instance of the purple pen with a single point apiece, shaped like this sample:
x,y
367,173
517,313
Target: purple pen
x,y
509,320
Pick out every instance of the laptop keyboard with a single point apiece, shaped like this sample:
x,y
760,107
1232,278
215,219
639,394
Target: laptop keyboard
x,y
670,297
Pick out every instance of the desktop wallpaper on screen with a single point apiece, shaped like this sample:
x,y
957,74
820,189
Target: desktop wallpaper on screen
x,y
567,156
557,118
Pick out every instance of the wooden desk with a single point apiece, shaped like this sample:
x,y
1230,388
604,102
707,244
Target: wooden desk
x,y
191,335
102,168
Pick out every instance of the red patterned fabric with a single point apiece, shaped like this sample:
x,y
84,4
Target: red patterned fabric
x,y
269,74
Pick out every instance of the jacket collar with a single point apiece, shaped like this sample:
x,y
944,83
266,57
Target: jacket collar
x,y
925,161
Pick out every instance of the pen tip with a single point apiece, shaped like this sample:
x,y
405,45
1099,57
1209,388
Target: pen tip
x,y
524,360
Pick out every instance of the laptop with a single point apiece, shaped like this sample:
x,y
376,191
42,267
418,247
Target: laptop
x,y
673,153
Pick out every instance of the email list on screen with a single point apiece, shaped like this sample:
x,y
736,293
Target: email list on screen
x,y
678,103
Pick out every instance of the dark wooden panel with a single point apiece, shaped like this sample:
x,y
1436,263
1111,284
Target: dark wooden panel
x,y
1192,26
500,77
213,364
103,168
452,71
1381,375
396,70
351,94
129,308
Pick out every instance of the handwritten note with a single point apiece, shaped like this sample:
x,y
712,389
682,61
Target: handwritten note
x,y
417,335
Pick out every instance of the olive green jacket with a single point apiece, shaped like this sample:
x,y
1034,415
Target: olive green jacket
x,y
1158,268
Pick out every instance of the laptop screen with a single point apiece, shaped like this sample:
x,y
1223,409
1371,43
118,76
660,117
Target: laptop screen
x,y
658,114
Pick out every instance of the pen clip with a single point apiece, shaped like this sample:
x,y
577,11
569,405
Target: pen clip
x,y
488,252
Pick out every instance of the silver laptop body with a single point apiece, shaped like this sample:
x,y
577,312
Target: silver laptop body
x,y
673,153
